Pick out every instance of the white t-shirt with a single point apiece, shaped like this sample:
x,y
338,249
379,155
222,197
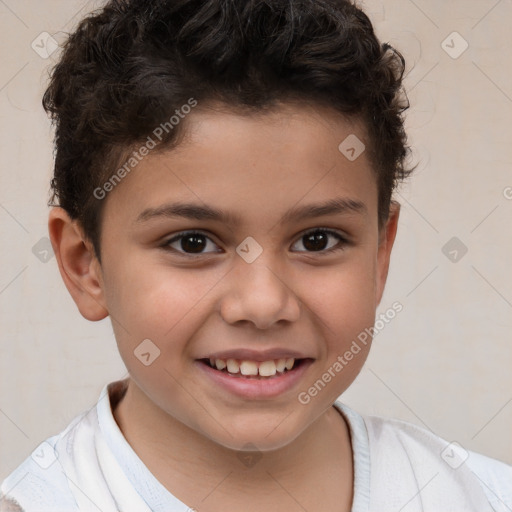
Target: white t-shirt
x,y
398,467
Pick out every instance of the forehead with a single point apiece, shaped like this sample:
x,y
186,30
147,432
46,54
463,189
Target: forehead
x,y
289,129
260,162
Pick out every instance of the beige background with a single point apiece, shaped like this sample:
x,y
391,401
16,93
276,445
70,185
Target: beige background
x,y
443,362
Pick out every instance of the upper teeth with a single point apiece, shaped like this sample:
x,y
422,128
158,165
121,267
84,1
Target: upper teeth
x,y
263,368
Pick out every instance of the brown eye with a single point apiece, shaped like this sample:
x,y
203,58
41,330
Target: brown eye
x,y
190,243
318,240
315,241
193,243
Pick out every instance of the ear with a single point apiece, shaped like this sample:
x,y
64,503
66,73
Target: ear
x,y
386,239
78,265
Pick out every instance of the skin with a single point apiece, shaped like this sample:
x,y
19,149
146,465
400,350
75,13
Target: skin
x,y
186,429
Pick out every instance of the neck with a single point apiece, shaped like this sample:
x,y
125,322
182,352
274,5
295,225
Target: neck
x,y
184,461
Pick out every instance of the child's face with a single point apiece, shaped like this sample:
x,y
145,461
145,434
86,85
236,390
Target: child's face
x,y
292,300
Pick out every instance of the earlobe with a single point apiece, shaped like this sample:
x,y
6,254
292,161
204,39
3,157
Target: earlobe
x,y
78,264
386,240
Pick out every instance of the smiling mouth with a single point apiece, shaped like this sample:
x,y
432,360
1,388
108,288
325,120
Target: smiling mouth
x,y
253,369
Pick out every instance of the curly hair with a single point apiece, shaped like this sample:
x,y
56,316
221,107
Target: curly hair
x,y
128,66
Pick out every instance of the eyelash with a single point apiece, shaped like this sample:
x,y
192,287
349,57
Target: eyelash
x,y
342,242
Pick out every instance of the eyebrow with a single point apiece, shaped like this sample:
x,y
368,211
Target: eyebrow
x,y
193,211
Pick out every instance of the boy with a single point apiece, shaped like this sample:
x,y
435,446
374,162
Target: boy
x,y
238,309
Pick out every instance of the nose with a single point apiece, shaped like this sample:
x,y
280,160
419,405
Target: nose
x,y
257,294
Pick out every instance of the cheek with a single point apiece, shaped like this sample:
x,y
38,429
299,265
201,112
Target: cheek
x,y
154,301
343,297
343,300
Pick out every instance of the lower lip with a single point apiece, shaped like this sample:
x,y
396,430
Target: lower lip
x,y
267,387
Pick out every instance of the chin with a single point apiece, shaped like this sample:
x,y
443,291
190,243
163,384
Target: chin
x,y
262,433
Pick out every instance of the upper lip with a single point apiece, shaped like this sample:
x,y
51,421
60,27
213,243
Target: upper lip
x,y
257,355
